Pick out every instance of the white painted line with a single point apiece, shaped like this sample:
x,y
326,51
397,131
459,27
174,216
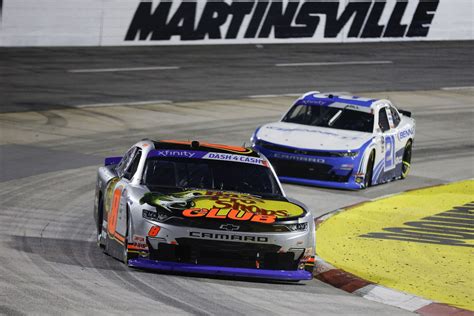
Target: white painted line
x,y
392,297
123,69
122,104
274,95
263,96
336,63
458,88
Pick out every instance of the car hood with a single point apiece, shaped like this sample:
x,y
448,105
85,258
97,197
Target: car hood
x,y
311,137
176,203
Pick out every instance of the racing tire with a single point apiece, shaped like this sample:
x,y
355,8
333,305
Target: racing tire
x,y
126,254
406,161
100,223
369,170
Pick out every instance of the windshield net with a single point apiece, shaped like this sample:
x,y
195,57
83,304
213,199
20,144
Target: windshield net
x,y
324,116
183,173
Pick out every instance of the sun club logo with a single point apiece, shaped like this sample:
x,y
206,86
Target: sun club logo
x,y
246,203
232,214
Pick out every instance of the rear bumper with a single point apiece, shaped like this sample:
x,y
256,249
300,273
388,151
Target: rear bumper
x,y
284,275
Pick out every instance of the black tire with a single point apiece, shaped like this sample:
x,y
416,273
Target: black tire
x,y
100,221
369,170
127,255
406,161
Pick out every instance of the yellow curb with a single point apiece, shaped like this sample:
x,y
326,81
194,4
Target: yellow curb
x,y
419,242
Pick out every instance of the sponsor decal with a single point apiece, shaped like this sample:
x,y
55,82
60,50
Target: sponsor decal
x,y
316,102
207,155
229,227
233,157
224,236
176,153
176,203
236,149
406,133
236,215
138,243
296,158
453,227
226,20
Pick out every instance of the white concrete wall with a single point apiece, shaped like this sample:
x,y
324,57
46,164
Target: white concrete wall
x,y
106,22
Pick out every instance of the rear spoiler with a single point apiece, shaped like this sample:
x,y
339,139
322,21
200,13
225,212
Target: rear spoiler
x,y
112,161
406,113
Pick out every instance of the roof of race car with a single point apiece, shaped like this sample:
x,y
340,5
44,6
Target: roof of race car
x,y
316,98
219,148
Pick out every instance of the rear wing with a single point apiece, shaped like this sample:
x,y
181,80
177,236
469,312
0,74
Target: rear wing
x,y
405,113
112,161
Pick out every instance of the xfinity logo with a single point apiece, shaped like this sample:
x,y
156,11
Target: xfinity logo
x,y
175,153
221,236
229,227
267,19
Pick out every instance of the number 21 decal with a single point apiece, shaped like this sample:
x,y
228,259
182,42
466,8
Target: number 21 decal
x,y
389,152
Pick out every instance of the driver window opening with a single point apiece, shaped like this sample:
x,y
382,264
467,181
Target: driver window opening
x,y
132,168
383,120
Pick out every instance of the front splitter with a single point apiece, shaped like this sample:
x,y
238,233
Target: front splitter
x,y
284,275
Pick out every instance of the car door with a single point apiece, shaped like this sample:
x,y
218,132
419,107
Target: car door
x,y
127,177
116,201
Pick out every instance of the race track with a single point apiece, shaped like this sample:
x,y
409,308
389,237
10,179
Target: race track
x,y
49,262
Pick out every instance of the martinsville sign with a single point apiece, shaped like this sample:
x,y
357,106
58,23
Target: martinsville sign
x,y
126,22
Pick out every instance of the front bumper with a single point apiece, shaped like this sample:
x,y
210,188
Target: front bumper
x,y
246,254
350,185
284,275
331,172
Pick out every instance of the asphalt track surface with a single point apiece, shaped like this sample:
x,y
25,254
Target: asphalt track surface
x,y
49,262
41,78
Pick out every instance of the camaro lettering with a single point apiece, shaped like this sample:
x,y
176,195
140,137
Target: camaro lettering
x,y
221,236
298,158
263,19
237,215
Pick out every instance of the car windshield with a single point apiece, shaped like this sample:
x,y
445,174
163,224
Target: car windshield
x,y
185,173
331,117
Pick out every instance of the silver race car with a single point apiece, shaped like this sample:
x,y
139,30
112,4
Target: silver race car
x,y
201,208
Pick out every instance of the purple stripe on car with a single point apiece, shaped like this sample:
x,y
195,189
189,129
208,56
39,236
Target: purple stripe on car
x,y
285,275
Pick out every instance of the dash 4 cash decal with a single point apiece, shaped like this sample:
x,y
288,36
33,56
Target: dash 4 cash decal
x,y
231,20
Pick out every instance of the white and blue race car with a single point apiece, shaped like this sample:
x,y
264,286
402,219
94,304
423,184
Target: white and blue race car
x,y
343,142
